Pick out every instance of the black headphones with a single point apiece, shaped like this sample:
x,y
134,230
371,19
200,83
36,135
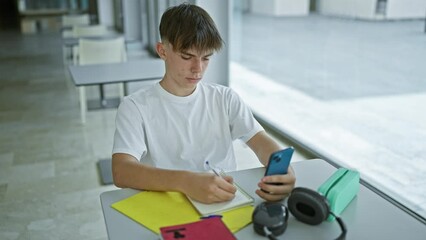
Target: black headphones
x,y
310,207
270,219
307,206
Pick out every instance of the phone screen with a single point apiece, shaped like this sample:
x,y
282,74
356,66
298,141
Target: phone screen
x,y
279,162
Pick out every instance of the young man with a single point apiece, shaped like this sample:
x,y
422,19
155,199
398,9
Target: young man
x,y
166,134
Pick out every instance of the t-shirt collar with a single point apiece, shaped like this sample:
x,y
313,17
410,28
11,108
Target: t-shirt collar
x,y
175,98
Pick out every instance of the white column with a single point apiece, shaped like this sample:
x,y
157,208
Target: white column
x,y
220,11
106,12
131,15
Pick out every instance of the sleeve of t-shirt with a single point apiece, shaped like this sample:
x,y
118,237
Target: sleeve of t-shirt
x,y
129,135
242,123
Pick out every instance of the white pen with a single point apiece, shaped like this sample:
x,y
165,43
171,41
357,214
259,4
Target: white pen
x,y
214,170
222,174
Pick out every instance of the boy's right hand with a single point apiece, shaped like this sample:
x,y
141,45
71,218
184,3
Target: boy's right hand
x,y
209,188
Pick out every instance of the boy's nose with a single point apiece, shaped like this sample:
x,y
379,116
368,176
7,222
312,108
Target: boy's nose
x,y
196,66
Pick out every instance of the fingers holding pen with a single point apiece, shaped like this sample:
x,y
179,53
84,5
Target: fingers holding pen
x,y
227,184
224,188
210,188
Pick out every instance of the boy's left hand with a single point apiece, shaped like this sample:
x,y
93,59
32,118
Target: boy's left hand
x,y
271,192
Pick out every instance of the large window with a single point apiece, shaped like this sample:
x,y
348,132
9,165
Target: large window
x,y
351,90
78,5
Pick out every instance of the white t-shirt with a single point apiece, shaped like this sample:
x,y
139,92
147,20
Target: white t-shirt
x,y
182,133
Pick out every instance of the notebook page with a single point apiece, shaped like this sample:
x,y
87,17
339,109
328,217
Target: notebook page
x,y
241,199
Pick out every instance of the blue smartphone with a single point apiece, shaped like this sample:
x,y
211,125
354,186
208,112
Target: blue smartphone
x,y
279,162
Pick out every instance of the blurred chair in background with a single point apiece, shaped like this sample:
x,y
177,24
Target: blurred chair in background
x,y
89,30
68,22
100,51
86,31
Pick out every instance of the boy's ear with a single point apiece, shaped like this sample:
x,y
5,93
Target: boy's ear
x,y
160,50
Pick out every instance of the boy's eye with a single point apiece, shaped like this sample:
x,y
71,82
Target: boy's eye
x,y
186,57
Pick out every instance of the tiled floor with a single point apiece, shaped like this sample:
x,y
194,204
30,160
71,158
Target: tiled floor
x,y
49,186
49,181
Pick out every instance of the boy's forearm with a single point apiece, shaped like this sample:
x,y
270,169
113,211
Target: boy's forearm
x,y
128,173
263,146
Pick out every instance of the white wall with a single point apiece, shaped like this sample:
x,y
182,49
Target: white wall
x,y
350,8
397,9
220,11
280,7
366,9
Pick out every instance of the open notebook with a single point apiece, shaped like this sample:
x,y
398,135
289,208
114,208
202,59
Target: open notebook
x,y
241,199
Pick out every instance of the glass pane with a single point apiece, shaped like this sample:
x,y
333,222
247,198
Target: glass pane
x,y
352,90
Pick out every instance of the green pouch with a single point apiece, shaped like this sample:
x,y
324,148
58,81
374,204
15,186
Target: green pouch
x,y
340,189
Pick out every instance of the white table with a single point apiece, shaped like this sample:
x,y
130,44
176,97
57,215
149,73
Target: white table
x,y
368,216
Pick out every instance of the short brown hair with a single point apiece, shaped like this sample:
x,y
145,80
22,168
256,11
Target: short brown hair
x,y
188,26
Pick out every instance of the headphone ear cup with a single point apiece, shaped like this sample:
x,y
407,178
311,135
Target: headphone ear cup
x,y
308,206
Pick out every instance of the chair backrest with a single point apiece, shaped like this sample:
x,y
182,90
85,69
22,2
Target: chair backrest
x,y
67,34
72,20
96,51
89,31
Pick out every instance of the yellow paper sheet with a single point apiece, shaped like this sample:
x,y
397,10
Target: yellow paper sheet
x,y
238,218
159,209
